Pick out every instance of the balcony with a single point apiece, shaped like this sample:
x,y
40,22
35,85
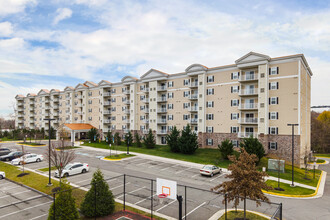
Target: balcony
x,y
162,110
146,110
161,88
248,121
67,97
248,92
146,100
47,100
248,78
247,134
126,102
78,96
161,99
20,103
107,103
161,121
56,114
193,108
56,100
193,96
107,94
32,102
126,131
107,121
146,121
193,121
162,131
79,105
20,116
32,115
20,109
32,109
145,90
193,84
56,106
145,131
126,92
126,111
107,112
248,106
20,121
126,121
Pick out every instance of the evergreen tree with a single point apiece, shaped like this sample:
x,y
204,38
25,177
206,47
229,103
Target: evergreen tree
x,y
246,181
172,140
92,135
188,141
52,133
128,139
149,140
65,206
117,139
226,148
137,140
110,137
253,146
100,194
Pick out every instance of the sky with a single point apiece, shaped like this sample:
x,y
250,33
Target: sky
x,y
58,43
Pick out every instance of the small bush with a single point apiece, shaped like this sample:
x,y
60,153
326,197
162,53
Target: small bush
x,y
137,140
172,140
253,146
226,148
188,141
93,135
149,140
117,139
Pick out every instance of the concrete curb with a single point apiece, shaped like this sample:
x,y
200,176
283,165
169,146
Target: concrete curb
x,y
220,213
43,145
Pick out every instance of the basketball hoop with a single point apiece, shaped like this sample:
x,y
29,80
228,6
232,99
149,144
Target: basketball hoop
x,y
162,197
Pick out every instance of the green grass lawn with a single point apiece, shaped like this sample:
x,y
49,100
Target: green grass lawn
x,y
231,215
67,148
202,155
9,139
119,156
320,161
46,169
322,155
288,189
32,143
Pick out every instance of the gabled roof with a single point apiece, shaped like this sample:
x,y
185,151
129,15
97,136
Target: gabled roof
x,y
69,88
54,91
153,73
19,96
104,82
252,57
195,68
31,95
43,92
81,86
129,79
79,126
90,84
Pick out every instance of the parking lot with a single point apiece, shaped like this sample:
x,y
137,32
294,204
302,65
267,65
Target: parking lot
x,y
17,202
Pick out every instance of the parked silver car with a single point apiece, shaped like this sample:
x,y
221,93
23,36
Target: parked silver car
x,y
209,170
73,168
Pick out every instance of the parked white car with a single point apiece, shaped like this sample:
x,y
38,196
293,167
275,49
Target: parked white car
x,y
2,175
73,168
28,158
209,170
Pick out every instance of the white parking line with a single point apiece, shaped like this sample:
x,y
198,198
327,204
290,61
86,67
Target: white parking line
x,y
11,188
39,216
220,175
182,170
144,199
169,167
4,184
194,209
138,159
119,186
12,213
15,194
157,164
134,191
143,163
195,175
165,205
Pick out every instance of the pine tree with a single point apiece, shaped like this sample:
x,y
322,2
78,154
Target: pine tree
x,y
137,140
149,141
117,139
188,141
65,206
226,148
253,146
246,181
172,140
128,139
109,137
93,134
100,194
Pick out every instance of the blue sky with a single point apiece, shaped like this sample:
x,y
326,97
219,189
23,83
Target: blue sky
x,y
55,43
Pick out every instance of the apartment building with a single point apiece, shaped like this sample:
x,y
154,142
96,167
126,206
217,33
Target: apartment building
x,y
258,96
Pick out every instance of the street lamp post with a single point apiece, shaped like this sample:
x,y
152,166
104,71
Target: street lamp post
x,y
49,165
292,125
128,147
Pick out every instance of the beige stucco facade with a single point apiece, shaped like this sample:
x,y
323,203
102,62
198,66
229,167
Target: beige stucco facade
x,y
257,96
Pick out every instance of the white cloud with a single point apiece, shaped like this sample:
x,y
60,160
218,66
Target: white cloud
x,y
61,14
6,29
14,6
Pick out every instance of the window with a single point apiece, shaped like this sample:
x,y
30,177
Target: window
x,y
142,117
113,109
209,117
170,84
90,93
273,86
210,91
142,87
142,97
210,79
113,99
186,117
90,110
186,105
186,93
273,115
90,101
273,130
273,100
235,75
170,127
234,89
113,127
234,116
142,107
113,118
235,143
272,145
113,91
210,104
234,102
234,129
170,106
186,82
209,142
89,118
209,129
273,71
170,117
170,95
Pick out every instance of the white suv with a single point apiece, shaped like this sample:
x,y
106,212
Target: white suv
x,y
73,168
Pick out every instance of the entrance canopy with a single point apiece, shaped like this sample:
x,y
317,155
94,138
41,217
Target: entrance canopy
x,y
77,128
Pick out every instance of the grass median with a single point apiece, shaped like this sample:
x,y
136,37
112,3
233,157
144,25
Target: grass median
x,y
47,169
288,190
119,156
31,143
231,215
322,155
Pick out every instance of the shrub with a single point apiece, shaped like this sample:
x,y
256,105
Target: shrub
x,y
149,140
93,134
117,139
65,207
188,141
226,148
128,139
109,137
172,140
104,199
137,140
253,146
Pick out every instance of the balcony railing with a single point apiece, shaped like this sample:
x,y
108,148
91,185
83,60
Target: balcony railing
x,y
193,109
78,97
161,88
161,120
145,90
107,121
107,112
126,92
193,84
248,92
248,106
194,121
162,110
20,121
146,100
107,94
145,131
161,131
56,106
107,103
67,97
127,102
161,99
126,111
126,131
193,96
20,103
146,121
146,110
248,120
56,100
126,121
247,134
248,77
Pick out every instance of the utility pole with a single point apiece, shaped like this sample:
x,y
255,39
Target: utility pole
x,y
292,125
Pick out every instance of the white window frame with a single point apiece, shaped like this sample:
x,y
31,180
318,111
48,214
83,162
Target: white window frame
x,y
273,115
210,79
234,89
209,141
170,106
186,93
235,75
170,84
234,129
234,116
170,95
273,145
209,117
234,102
209,129
170,117
273,71
186,117
273,100
210,91
186,82
210,104
273,86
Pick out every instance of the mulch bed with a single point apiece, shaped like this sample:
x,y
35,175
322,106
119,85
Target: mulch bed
x,y
128,214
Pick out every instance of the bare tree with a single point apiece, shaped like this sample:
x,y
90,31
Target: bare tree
x,y
59,157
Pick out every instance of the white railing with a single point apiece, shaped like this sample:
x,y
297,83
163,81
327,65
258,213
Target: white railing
x,y
161,131
146,110
107,121
126,91
126,121
145,90
249,120
20,103
161,99
161,88
145,131
193,84
247,134
194,120
248,92
107,103
126,131
193,108
248,106
126,111
193,96
127,102
107,112
107,94
146,100
146,121
20,121
78,97
161,120
248,77
56,106
162,110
